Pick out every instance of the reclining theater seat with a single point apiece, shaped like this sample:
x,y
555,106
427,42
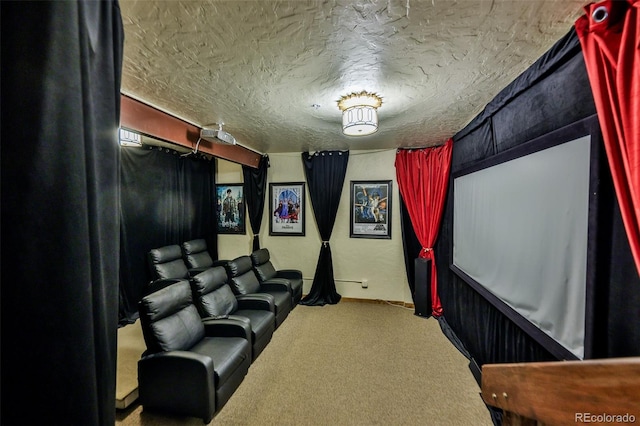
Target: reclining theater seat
x,y
214,298
197,257
244,281
191,367
165,263
265,271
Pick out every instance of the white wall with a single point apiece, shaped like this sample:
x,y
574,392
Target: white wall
x,y
379,261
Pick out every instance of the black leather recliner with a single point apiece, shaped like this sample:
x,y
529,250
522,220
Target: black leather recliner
x,y
243,280
191,367
265,271
214,298
166,263
197,257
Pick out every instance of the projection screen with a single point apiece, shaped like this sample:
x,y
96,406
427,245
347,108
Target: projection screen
x,y
521,231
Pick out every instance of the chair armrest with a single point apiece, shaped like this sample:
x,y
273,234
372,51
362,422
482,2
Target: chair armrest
x,y
184,366
176,358
276,284
189,376
256,301
289,274
233,326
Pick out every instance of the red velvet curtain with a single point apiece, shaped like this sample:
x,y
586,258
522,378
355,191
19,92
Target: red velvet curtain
x,y
422,177
610,37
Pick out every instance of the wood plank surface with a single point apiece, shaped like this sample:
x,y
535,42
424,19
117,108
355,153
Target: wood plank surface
x,y
566,392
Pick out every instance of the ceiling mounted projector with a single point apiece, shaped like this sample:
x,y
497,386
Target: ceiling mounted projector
x,y
217,136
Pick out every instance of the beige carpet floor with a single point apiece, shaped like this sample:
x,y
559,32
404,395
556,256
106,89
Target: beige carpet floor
x,y
352,363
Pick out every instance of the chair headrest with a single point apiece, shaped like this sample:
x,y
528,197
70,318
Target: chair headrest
x,y
166,301
165,254
259,257
173,269
194,246
209,280
169,319
238,266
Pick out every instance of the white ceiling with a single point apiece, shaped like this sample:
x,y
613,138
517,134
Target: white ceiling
x,y
260,66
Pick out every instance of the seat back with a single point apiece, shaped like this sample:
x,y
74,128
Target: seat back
x,y
169,319
262,265
196,254
211,293
166,262
241,276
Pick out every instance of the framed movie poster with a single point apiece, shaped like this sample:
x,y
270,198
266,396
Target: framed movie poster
x,y
288,209
370,209
230,208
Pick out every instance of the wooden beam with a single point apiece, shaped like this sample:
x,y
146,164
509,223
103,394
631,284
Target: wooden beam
x,y
142,118
566,392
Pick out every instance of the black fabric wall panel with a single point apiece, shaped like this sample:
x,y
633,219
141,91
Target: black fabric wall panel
x,y
165,199
486,333
562,98
476,145
623,320
562,51
553,93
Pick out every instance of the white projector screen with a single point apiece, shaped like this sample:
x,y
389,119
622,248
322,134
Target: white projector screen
x,y
520,230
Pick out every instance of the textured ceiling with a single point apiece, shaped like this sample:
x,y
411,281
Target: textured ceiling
x,y
259,67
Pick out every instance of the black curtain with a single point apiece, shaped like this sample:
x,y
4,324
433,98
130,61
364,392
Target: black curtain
x,y
255,184
325,172
166,199
61,70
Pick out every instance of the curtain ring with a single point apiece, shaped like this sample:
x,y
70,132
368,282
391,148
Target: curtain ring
x,y
600,14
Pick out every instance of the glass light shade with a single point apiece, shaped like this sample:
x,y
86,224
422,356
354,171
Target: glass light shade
x,y
359,113
359,120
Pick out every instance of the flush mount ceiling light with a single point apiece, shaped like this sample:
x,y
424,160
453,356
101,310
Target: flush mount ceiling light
x,y
359,113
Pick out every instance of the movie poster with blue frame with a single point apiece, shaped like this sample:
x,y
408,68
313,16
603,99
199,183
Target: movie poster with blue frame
x,y
287,209
230,211
370,209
